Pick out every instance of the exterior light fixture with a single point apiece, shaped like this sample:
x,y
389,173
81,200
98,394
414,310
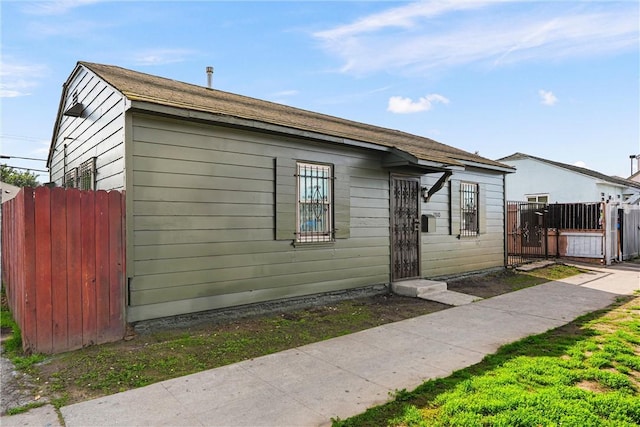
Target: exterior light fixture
x,y
74,111
424,192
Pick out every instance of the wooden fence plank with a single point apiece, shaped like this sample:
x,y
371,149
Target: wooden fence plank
x,y
60,312
9,246
74,269
11,266
28,288
44,337
19,271
88,263
102,264
116,265
14,222
6,239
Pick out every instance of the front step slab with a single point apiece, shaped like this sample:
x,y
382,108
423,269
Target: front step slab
x,y
413,288
431,290
450,297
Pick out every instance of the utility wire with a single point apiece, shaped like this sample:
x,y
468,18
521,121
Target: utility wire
x,y
2,156
26,169
23,138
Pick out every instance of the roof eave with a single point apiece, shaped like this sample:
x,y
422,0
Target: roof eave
x,y
399,157
54,135
503,169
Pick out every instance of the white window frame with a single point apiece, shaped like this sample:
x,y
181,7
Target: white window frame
x,y
314,189
537,198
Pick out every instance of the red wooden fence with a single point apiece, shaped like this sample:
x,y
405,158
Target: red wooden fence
x,y
63,265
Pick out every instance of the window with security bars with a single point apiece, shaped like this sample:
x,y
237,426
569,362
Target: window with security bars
x,y
71,178
84,177
87,175
314,203
468,209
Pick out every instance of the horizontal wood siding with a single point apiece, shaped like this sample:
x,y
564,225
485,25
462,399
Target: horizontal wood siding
x,y
204,220
99,132
443,252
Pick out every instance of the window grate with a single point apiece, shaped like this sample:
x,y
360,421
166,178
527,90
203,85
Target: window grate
x,y
84,177
314,200
71,178
87,175
469,209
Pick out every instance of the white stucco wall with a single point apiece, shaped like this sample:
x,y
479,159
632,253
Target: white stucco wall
x,y
533,177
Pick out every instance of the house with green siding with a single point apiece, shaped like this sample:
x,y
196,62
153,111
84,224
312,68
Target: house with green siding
x,y
232,200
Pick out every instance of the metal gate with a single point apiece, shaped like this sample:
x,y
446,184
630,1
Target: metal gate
x,y
573,230
405,227
527,233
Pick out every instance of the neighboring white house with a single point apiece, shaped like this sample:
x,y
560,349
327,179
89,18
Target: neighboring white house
x,y
8,191
546,181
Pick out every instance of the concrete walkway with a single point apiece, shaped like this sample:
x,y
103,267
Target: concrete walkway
x,y
341,377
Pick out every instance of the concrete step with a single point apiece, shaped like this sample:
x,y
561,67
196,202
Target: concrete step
x,y
450,297
413,288
431,290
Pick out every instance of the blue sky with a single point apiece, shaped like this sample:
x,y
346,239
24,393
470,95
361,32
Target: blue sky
x,y
557,79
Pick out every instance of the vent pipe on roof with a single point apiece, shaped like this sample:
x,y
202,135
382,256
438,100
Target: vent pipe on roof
x,y
209,77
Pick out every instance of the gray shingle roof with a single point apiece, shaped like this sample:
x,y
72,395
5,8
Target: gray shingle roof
x,y
138,86
577,169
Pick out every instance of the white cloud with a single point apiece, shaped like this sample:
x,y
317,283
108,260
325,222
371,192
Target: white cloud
x,y
161,56
55,7
9,93
580,164
401,17
17,79
433,34
547,97
75,29
400,105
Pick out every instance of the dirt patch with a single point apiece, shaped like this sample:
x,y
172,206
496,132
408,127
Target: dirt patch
x,y
592,386
152,357
494,284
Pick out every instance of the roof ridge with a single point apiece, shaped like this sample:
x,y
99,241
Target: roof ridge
x,y
171,92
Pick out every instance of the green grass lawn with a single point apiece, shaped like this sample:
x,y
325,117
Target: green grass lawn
x,y
586,373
